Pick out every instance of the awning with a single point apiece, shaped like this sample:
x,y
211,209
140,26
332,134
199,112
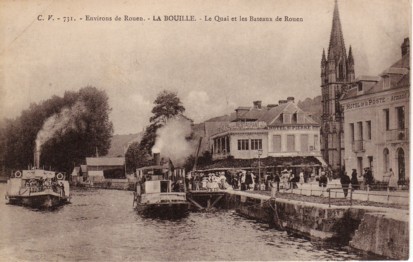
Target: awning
x,y
322,161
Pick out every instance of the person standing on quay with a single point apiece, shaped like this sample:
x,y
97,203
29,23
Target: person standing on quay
x,y
277,181
345,182
354,180
392,180
368,177
322,182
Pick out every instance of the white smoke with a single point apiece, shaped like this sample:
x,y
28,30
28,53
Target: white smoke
x,y
59,123
171,140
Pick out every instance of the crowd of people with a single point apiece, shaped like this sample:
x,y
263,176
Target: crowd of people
x,y
286,179
246,180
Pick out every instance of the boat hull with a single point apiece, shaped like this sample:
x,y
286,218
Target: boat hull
x,y
167,210
39,201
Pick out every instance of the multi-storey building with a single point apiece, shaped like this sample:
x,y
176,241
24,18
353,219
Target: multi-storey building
x,y
282,130
376,121
337,71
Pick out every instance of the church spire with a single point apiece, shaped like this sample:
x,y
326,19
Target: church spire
x,y
323,58
336,48
350,56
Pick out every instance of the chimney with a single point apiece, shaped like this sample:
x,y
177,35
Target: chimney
x,y
282,102
269,106
36,159
257,104
157,159
290,99
406,46
240,111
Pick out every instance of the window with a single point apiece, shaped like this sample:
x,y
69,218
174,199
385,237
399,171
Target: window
x,y
400,117
256,144
243,144
340,71
386,119
315,142
360,129
276,140
352,132
304,143
359,86
386,160
290,143
368,126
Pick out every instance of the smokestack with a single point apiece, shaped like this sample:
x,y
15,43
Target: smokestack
x,y
36,161
157,158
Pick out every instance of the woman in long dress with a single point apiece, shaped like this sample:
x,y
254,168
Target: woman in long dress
x,y
392,180
301,178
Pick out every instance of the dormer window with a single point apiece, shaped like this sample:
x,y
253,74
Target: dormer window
x,y
386,82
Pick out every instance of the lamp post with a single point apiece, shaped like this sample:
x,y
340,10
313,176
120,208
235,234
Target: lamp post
x,y
259,168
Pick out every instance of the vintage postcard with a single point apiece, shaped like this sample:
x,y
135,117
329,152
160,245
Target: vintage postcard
x,y
197,130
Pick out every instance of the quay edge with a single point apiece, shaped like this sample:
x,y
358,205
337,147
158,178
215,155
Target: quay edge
x,y
379,231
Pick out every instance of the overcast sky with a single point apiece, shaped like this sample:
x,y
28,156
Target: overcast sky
x,y
214,67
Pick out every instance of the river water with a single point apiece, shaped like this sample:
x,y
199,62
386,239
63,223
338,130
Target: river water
x,y
101,225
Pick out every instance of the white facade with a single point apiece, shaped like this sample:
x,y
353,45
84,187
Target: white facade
x,y
377,133
376,122
281,141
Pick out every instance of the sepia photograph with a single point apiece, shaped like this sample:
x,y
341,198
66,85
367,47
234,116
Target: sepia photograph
x,y
190,130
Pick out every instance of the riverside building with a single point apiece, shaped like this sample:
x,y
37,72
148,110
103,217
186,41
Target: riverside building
x,y
376,121
276,132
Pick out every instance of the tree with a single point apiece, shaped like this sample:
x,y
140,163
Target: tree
x,y
88,130
167,105
135,157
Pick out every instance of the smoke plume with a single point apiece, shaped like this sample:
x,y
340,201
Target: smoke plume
x,y
171,140
60,123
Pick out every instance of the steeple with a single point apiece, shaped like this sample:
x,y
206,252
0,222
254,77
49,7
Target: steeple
x,y
323,59
350,66
336,48
350,56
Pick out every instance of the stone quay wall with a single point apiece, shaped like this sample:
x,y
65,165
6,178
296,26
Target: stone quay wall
x,y
380,231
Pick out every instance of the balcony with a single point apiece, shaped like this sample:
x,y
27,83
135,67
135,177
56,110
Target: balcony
x,y
358,146
397,135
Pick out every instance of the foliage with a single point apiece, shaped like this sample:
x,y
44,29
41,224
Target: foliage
x,y
166,105
203,160
91,131
135,158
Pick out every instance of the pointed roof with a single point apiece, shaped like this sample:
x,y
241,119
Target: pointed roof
x,y
323,58
336,48
350,56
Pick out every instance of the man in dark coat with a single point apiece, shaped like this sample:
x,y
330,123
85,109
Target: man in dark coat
x,y
368,176
345,183
277,180
322,182
354,180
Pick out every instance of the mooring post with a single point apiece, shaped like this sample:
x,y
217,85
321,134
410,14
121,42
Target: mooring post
x,y
329,192
388,194
368,191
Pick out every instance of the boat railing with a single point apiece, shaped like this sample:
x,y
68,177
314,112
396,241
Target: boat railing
x,y
164,197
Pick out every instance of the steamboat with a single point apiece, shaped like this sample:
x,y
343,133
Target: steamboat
x,y
37,188
160,191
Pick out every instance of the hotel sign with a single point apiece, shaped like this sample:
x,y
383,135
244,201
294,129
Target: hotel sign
x,y
377,100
